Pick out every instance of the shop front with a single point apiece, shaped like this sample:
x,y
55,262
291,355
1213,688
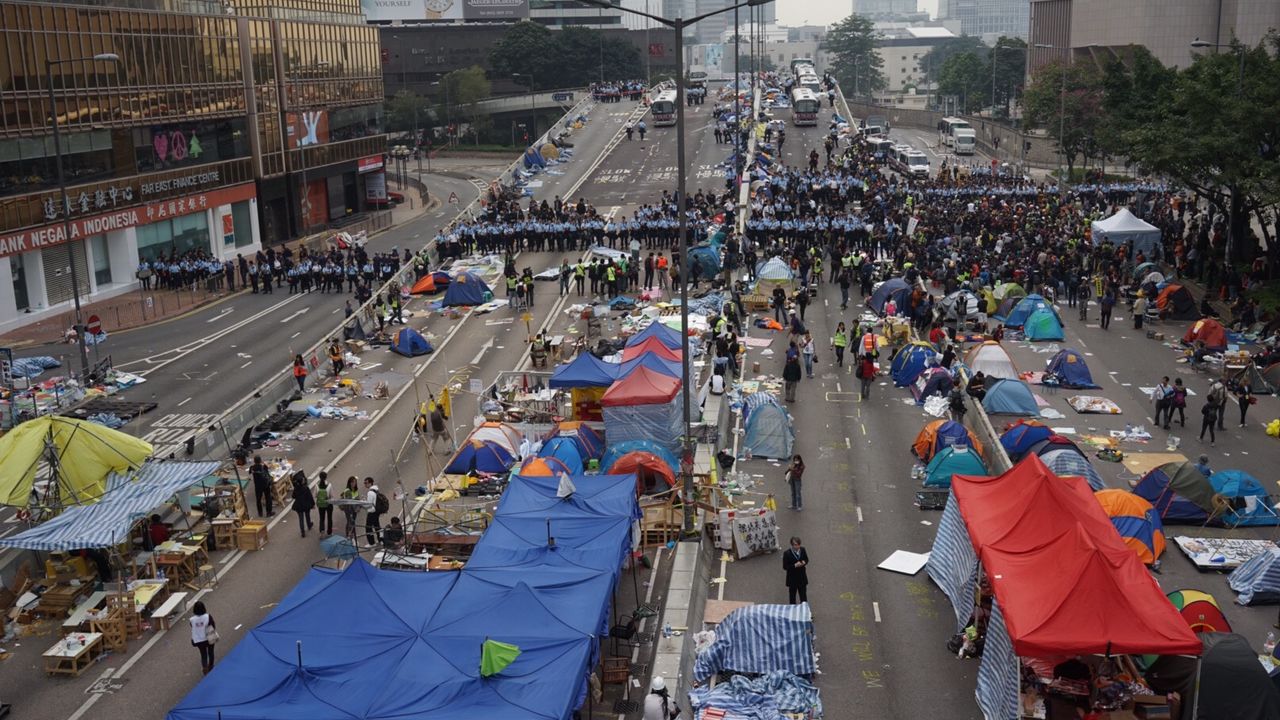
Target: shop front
x,y
35,264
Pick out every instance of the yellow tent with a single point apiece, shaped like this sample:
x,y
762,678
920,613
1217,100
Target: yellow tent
x,y
80,455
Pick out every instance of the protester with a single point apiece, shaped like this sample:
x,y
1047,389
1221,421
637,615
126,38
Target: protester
x,y
794,476
303,501
795,562
204,635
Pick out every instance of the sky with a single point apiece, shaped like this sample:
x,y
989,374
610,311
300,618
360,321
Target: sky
x,y
826,12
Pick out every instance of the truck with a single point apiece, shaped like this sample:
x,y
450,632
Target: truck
x,y
963,141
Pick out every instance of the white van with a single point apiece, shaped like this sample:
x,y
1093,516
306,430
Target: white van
x,y
917,163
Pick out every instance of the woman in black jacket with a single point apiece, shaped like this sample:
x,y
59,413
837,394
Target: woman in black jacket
x,y
303,501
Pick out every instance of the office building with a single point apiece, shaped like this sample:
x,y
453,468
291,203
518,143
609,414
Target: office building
x,y
219,130
902,52
987,19
1102,28
879,8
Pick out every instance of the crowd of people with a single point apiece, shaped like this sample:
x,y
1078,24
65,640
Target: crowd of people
x,y
617,91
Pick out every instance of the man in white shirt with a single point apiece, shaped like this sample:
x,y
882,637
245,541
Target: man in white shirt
x,y
373,518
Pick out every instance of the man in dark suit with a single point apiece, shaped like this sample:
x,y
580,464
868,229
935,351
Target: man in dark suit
x,y
796,562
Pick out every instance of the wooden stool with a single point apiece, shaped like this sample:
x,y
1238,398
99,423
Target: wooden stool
x,y
207,578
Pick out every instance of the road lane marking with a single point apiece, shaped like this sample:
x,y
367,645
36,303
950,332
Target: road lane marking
x,y
246,365
875,609
219,316
847,444
295,335
184,402
859,509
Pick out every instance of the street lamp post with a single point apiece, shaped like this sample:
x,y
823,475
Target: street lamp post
x,y
448,136
1062,116
678,25
81,344
1240,50
533,110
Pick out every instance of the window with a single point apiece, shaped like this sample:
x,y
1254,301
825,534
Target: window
x,y
173,238
240,218
19,271
101,260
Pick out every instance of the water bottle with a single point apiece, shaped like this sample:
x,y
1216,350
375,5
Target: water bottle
x,y
1270,644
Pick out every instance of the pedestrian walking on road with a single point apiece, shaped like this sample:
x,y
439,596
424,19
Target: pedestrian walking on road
x,y
437,423
204,635
378,504
795,563
1244,396
795,480
807,350
1161,396
335,357
300,372
351,492
1218,394
324,506
1177,401
1209,417
303,501
839,342
262,493
1107,302
866,375
791,374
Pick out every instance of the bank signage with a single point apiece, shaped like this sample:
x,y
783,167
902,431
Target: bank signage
x,y
83,227
88,202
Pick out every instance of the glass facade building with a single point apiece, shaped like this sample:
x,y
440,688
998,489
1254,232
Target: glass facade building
x,y
203,138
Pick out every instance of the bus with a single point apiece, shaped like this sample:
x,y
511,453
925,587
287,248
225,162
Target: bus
x,y
797,62
804,107
881,147
664,108
810,82
947,128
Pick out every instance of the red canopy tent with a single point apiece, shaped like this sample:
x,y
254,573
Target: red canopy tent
x,y
642,387
1065,581
653,345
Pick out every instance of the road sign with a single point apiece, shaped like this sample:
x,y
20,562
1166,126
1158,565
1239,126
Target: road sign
x,y
453,198
561,97
94,325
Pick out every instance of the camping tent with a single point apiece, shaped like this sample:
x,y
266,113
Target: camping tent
x,y
1008,290
895,288
767,430
1022,436
480,456
1180,492
466,289
426,285
653,361
648,460
651,345
1175,303
1137,522
86,453
588,441
501,433
707,260
643,405
1124,228
410,343
939,434
1208,331
960,306
933,381
1232,683
910,361
585,370
108,522
1010,397
547,467
1023,309
957,459
1068,369
1258,579
773,273
991,359
1043,324
566,451
1200,610
1068,460
1249,502
666,335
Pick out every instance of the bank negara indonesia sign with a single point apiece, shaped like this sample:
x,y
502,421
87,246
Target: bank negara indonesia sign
x,y
377,10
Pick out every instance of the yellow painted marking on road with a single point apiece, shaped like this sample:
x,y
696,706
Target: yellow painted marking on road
x,y
840,397
864,428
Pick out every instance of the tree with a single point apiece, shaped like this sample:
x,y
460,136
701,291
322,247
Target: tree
x,y
965,76
851,44
406,111
1068,106
931,62
465,89
570,57
1009,56
525,49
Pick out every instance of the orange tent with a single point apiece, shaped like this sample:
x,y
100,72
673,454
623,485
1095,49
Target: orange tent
x,y
544,467
1136,521
1209,331
647,467
939,434
425,286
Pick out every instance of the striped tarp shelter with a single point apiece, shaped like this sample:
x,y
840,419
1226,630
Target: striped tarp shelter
x,y
106,523
761,639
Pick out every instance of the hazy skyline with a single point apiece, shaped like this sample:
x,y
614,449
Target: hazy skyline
x,y
827,12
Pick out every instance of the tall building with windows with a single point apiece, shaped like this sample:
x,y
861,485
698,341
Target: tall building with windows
x,y
987,19
877,8
210,129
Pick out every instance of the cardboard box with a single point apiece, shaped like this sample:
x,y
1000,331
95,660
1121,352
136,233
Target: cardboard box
x,y
252,535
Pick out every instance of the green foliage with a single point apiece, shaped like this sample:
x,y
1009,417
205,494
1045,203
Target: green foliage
x,y
1067,105
466,88
1010,58
400,112
931,62
571,57
966,77
851,44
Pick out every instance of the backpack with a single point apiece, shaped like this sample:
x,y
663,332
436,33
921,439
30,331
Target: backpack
x,y
322,497
381,505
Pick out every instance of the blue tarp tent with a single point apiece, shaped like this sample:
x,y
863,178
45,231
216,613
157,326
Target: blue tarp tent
x,y
1068,368
1023,309
466,288
585,370
566,451
108,522
414,648
588,441
895,288
910,361
1043,324
767,430
410,343
667,336
483,456
954,460
653,361
1010,397
1019,439
1249,502
708,261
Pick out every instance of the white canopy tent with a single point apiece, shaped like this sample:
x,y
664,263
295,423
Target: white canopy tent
x,y
1124,228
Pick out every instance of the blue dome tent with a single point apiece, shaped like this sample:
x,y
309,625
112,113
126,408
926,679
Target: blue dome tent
x,y
566,451
483,456
1019,439
410,343
1010,397
1068,368
767,429
953,460
666,335
466,288
707,259
1043,324
585,370
1023,309
1239,486
910,361
895,288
